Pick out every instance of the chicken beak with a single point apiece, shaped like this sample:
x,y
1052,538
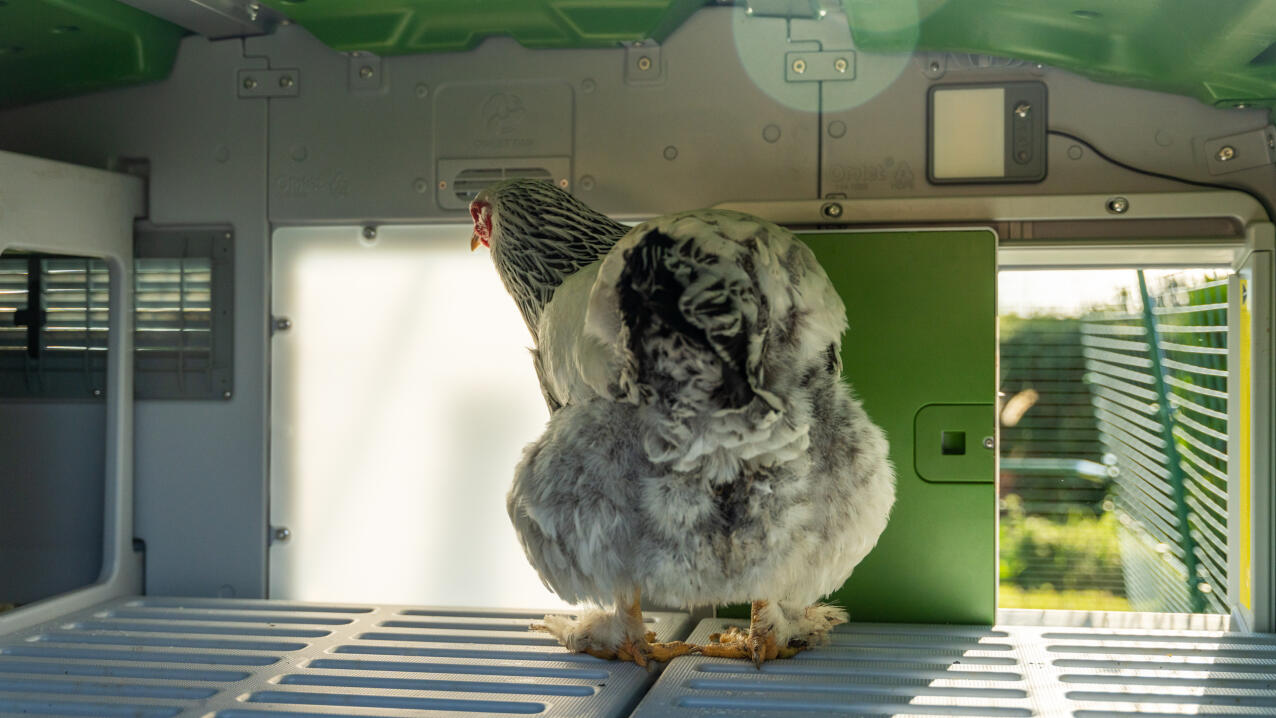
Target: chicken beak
x,y
474,242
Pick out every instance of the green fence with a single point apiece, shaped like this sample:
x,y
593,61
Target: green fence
x,y
1157,371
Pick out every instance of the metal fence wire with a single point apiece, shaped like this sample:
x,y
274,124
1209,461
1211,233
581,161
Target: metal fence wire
x,y
1157,371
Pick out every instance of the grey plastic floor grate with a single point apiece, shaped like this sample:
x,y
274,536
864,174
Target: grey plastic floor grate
x,y
1004,671
213,658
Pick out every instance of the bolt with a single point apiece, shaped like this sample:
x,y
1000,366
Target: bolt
x,y
644,63
563,183
840,64
1021,110
832,209
369,232
934,66
97,393
799,66
285,81
282,324
281,534
1118,205
365,72
250,83
225,395
989,442
442,184
1225,153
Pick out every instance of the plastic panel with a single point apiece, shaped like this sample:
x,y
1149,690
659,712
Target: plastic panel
x,y
234,658
54,48
893,669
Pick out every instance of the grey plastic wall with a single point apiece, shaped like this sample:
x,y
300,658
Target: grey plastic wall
x,y
714,121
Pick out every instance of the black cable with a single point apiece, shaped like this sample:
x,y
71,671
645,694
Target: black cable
x,y
1267,207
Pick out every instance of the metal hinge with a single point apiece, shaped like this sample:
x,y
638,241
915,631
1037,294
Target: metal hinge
x,y
269,83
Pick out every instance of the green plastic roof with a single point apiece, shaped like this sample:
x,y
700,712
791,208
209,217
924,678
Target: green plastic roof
x,y
1221,52
54,48
396,27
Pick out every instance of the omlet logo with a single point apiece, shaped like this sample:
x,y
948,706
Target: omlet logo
x,y
503,113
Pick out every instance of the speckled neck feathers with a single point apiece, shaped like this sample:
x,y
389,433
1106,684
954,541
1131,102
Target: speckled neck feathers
x,y
540,236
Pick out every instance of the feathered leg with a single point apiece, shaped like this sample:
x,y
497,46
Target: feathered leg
x,y
613,635
772,634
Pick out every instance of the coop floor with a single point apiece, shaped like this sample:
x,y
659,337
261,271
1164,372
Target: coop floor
x,y
208,658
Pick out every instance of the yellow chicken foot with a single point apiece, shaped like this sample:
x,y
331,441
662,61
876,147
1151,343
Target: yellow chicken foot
x,y
758,644
638,650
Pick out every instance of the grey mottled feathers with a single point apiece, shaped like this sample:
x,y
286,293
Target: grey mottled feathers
x,y
704,448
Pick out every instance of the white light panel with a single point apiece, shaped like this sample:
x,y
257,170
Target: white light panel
x,y
968,133
402,397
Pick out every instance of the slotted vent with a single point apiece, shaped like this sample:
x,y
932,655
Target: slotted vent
x,y
470,182
460,180
1158,376
182,320
53,326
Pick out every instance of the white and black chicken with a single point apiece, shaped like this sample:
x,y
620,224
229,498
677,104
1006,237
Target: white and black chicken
x,y
702,447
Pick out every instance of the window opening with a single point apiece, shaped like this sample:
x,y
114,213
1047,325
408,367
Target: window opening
x,y
1114,440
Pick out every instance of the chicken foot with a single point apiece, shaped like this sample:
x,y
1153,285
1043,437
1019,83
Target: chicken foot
x,y
614,636
760,644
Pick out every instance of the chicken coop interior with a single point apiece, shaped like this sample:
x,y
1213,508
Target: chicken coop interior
x,y
261,404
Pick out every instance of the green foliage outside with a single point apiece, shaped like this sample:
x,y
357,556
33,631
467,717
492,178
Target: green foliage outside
x,y
1045,560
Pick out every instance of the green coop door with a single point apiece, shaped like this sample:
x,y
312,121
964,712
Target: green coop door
x,y
921,354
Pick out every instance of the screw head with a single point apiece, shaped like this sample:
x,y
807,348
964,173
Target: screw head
x,y
1022,110
226,395
644,63
250,83
281,534
989,442
563,183
442,184
97,392
1117,205
832,209
1226,152
934,66
365,72
285,81
840,64
369,232
283,324
799,66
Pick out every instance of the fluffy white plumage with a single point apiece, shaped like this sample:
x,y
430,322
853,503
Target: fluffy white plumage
x,y
702,446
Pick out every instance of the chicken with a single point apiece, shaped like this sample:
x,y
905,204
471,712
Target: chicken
x,y
702,447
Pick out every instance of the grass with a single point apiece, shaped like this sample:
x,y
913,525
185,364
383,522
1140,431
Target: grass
x,y
1012,596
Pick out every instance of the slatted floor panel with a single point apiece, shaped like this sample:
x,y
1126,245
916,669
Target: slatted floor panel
x,y
1004,672
212,658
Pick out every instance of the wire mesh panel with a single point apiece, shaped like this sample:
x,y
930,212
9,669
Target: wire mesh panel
x,y
1157,370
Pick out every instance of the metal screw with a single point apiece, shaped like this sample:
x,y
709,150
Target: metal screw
x,y
832,209
97,392
799,66
934,66
644,63
369,232
365,72
225,395
442,184
281,534
989,442
285,81
563,183
1226,152
840,64
282,324
1021,110
249,83
1118,205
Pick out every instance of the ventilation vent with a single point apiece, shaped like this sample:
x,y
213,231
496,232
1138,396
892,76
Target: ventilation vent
x,y
182,320
461,180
